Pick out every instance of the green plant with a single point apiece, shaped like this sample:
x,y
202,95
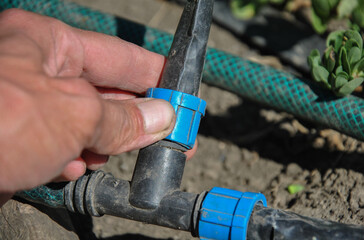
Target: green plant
x,y
295,188
323,11
245,9
358,14
341,68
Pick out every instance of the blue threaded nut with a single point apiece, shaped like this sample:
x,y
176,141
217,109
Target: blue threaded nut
x,y
225,213
189,111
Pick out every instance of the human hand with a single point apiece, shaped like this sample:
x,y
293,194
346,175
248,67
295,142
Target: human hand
x,y
50,111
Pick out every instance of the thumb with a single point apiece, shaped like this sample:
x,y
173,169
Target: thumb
x,y
132,124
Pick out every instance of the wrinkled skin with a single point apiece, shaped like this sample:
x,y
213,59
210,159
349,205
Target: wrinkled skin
x,y
50,110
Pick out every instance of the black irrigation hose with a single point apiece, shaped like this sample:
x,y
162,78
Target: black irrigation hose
x,y
278,89
274,224
266,85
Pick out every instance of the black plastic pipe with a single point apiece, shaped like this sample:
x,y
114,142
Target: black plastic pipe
x,y
186,57
159,168
158,172
275,224
100,193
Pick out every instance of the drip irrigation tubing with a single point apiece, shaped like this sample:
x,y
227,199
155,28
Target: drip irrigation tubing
x,y
266,85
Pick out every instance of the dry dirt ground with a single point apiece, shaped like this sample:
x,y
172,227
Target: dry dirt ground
x,y
248,147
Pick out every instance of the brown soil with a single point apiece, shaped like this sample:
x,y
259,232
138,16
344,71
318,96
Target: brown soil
x,y
247,147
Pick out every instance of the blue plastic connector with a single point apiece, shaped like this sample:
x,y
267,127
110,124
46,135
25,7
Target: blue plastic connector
x,y
189,111
225,213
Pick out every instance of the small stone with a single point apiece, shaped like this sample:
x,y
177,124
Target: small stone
x,y
315,177
246,154
334,139
319,142
336,143
289,128
271,115
351,144
222,145
325,132
300,127
293,169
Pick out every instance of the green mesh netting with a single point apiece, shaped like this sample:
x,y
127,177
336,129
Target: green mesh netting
x,y
44,195
263,84
260,83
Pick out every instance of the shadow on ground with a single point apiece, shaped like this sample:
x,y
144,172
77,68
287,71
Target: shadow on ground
x,y
244,126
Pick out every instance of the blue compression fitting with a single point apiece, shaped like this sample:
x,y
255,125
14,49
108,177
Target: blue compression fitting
x,y
225,213
189,111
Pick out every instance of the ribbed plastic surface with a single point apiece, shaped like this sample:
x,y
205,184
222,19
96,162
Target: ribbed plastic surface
x,y
189,111
225,213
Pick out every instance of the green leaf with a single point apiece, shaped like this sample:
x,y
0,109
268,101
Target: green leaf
x,y
356,36
345,61
354,55
328,51
243,11
340,81
340,62
354,26
358,16
318,24
329,59
314,59
351,43
295,188
343,74
345,8
322,8
358,67
321,75
338,70
332,78
335,39
349,87
333,3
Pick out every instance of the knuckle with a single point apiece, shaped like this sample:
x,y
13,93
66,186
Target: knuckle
x,y
56,25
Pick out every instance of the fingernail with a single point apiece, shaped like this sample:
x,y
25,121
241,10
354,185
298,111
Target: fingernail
x,y
158,115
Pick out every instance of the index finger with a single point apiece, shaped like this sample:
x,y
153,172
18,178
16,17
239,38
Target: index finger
x,y
113,62
104,60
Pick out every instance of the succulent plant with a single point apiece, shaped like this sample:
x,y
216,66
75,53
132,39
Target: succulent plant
x,y
323,11
358,14
341,68
246,9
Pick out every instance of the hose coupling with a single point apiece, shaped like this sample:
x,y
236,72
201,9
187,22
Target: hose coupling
x,y
225,213
189,110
